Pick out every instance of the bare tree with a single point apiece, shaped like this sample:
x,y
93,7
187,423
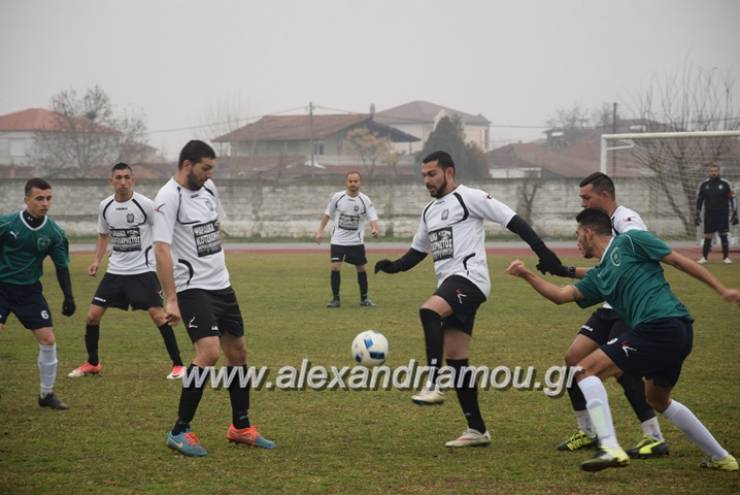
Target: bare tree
x,y
88,133
575,117
222,118
694,99
526,193
369,146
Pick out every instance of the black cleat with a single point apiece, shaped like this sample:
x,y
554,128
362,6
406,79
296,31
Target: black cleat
x,y
334,304
51,401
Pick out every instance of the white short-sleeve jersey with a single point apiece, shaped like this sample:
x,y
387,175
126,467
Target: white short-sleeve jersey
x,y
623,220
349,216
129,227
189,222
451,229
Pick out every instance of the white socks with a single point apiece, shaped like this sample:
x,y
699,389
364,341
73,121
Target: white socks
x,y
597,405
47,368
684,419
651,427
584,422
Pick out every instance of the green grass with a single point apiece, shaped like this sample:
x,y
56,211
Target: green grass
x,y
112,440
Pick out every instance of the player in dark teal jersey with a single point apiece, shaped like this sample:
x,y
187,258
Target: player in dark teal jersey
x,y
26,238
630,278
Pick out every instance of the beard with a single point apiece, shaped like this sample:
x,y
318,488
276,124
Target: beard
x,y
438,193
193,183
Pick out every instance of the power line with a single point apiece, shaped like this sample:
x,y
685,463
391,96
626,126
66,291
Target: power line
x,y
211,124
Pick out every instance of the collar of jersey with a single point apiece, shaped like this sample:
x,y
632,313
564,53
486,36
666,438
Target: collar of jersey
x,y
603,255
20,213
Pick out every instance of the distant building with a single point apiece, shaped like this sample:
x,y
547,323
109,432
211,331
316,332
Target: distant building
x,y
419,118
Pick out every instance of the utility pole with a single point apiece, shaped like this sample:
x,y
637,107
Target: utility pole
x,y
313,146
614,131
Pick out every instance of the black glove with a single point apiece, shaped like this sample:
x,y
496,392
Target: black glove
x,y
697,221
549,262
68,306
733,219
386,266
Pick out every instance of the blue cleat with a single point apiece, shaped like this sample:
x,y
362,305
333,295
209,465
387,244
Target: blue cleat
x,y
248,436
186,443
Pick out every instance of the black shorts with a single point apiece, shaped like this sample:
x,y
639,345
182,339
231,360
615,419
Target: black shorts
x,y
603,325
716,221
27,303
464,297
140,291
655,350
210,313
354,255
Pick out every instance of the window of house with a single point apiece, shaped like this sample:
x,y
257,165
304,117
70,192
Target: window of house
x,y
318,148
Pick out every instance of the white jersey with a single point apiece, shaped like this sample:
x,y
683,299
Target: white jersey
x,y
189,222
451,228
349,215
129,227
623,220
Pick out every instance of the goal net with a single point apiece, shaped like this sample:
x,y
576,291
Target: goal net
x,y
658,174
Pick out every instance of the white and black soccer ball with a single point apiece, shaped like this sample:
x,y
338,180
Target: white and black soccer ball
x,y
370,348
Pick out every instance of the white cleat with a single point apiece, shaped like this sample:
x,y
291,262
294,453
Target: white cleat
x,y
727,261
428,396
702,261
470,438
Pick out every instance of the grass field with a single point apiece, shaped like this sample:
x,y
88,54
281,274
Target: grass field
x,y
112,440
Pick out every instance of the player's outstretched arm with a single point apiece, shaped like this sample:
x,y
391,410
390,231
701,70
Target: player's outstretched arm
x,y
163,255
402,264
549,261
691,267
555,293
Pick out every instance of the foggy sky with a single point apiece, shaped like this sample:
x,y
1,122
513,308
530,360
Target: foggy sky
x,y
515,62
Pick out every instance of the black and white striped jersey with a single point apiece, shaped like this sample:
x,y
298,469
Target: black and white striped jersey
x,y
189,222
349,216
129,227
451,229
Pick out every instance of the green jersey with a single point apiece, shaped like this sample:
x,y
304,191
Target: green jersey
x,y
23,249
630,278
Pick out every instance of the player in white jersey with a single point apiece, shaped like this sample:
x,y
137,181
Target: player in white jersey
x,y
349,211
192,268
125,219
597,191
451,228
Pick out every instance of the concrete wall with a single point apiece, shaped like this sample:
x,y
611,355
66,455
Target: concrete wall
x,y
263,209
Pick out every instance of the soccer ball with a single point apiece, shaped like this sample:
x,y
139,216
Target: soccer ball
x,y
370,348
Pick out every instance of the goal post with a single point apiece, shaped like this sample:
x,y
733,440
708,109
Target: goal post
x,y
659,173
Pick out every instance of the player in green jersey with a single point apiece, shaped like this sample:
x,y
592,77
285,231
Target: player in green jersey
x,y
630,278
26,238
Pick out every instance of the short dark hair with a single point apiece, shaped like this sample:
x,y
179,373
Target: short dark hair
x,y
600,183
121,166
38,183
442,158
353,172
194,152
595,219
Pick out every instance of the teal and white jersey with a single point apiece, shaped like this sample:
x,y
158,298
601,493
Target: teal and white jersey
x,y
23,248
630,278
